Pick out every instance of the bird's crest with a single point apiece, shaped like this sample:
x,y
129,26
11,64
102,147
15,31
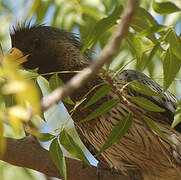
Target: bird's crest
x,y
23,27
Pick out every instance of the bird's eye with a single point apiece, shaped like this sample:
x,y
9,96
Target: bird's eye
x,y
36,43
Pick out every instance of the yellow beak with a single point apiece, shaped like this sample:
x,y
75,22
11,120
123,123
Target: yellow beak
x,y
15,55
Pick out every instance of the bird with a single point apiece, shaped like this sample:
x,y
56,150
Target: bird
x,y
140,151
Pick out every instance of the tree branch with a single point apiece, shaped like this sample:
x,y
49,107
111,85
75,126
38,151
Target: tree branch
x,y
106,56
28,153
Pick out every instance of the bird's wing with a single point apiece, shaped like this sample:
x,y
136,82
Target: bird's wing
x,y
167,101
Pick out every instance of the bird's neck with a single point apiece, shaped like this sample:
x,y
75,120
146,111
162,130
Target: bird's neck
x,y
81,95
77,96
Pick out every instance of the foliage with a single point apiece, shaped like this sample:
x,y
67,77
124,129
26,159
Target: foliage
x,y
152,42
118,131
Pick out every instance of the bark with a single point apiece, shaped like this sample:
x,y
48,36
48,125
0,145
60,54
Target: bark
x,y
28,153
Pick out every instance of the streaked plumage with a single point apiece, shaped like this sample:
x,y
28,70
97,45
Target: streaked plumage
x,y
138,150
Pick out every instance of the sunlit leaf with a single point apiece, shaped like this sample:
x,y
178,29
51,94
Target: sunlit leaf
x,y
177,117
101,92
31,130
151,30
118,131
2,139
102,26
56,82
44,137
1,54
143,89
44,85
102,109
135,45
164,7
58,158
16,86
175,44
20,112
71,146
143,20
9,100
31,98
41,10
33,8
148,60
154,127
78,104
2,145
146,104
29,74
15,123
91,12
171,66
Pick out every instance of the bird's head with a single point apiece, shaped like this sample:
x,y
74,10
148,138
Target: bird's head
x,y
48,48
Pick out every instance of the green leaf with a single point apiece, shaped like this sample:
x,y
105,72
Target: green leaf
x,y
33,8
171,66
148,19
175,44
68,100
29,73
148,60
45,137
165,7
1,53
151,30
91,12
56,82
102,109
9,100
58,158
102,26
2,138
177,117
135,45
118,131
154,127
78,103
143,89
71,146
146,104
41,10
143,20
44,85
101,92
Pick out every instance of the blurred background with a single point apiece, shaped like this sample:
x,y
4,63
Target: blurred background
x,y
79,17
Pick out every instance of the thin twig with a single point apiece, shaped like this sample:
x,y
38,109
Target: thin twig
x,y
106,56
